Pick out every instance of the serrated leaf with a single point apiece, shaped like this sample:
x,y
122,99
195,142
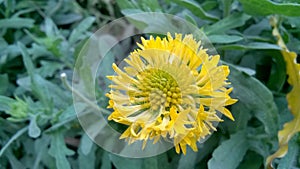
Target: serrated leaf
x,y
293,71
230,22
230,153
59,151
267,7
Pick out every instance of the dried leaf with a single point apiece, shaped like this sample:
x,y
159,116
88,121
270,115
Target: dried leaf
x,y
293,71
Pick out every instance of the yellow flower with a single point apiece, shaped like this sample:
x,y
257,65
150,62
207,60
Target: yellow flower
x,y
171,89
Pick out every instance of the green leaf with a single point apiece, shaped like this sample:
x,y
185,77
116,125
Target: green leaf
x,y
277,77
79,32
14,162
67,116
241,114
144,5
4,83
105,161
127,4
259,145
251,45
246,70
26,59
64,19
48,68
233,21
267,7
86,144
187,161
52,42
86,151
226,7
46,91
257,28
259,99
34,131
38,50
16,23
5,103
155,162
230,153
36,81
153,5
248,162
206,148
284,112
290,159
156,22
196,9
190,19
59,151
125,163
209,5
40,147
18,110
224,38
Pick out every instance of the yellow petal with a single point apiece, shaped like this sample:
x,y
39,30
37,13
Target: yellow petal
x,y
293,71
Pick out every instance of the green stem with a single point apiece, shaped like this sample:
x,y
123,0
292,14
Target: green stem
x,y
13,138
77,93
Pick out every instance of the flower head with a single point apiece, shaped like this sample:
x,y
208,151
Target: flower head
x,y
171,89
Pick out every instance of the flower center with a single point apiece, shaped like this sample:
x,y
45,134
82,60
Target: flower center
x,y
159,88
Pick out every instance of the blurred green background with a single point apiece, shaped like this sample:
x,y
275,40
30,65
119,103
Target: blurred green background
x,y
42,39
